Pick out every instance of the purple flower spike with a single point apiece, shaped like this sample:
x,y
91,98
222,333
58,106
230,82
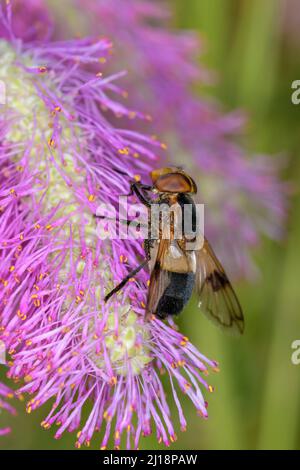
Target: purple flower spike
x,y
59,159
5,393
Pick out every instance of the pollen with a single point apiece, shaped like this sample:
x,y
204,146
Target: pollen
x,y
51,143
124,151
45,425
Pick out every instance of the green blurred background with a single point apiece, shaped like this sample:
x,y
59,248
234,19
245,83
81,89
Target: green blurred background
x,y
254,46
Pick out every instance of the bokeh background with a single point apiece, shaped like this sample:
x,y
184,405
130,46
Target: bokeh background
x,y
254,48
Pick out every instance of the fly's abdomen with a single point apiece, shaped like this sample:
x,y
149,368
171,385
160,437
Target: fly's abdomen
x,y
176,295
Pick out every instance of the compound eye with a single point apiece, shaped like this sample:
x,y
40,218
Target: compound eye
x,y
174,183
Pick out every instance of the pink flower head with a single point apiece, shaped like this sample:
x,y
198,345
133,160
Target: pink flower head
x,y
60,157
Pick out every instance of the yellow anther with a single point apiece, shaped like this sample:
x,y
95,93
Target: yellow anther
x,y
113,380
132,114
43,69
124,151
91,197
102,60
49,227
211,389
21,315
12,268
137,178
187,385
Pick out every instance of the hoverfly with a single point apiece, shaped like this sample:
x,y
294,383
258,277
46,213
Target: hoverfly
x,y
176,272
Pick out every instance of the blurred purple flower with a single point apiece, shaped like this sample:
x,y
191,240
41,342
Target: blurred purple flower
x,y
290,21
243,195
59,158
30,22
5,393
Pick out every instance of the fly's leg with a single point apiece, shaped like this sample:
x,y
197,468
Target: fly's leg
x,y
125,280
131,223
139,190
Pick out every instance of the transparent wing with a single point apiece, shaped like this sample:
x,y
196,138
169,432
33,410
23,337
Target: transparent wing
x,y
218,300
159,278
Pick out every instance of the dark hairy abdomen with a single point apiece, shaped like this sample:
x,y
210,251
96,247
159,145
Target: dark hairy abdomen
x,y
176,295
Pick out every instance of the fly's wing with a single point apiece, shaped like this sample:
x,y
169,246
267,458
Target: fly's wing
x,y
166,257
218,300
159,278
